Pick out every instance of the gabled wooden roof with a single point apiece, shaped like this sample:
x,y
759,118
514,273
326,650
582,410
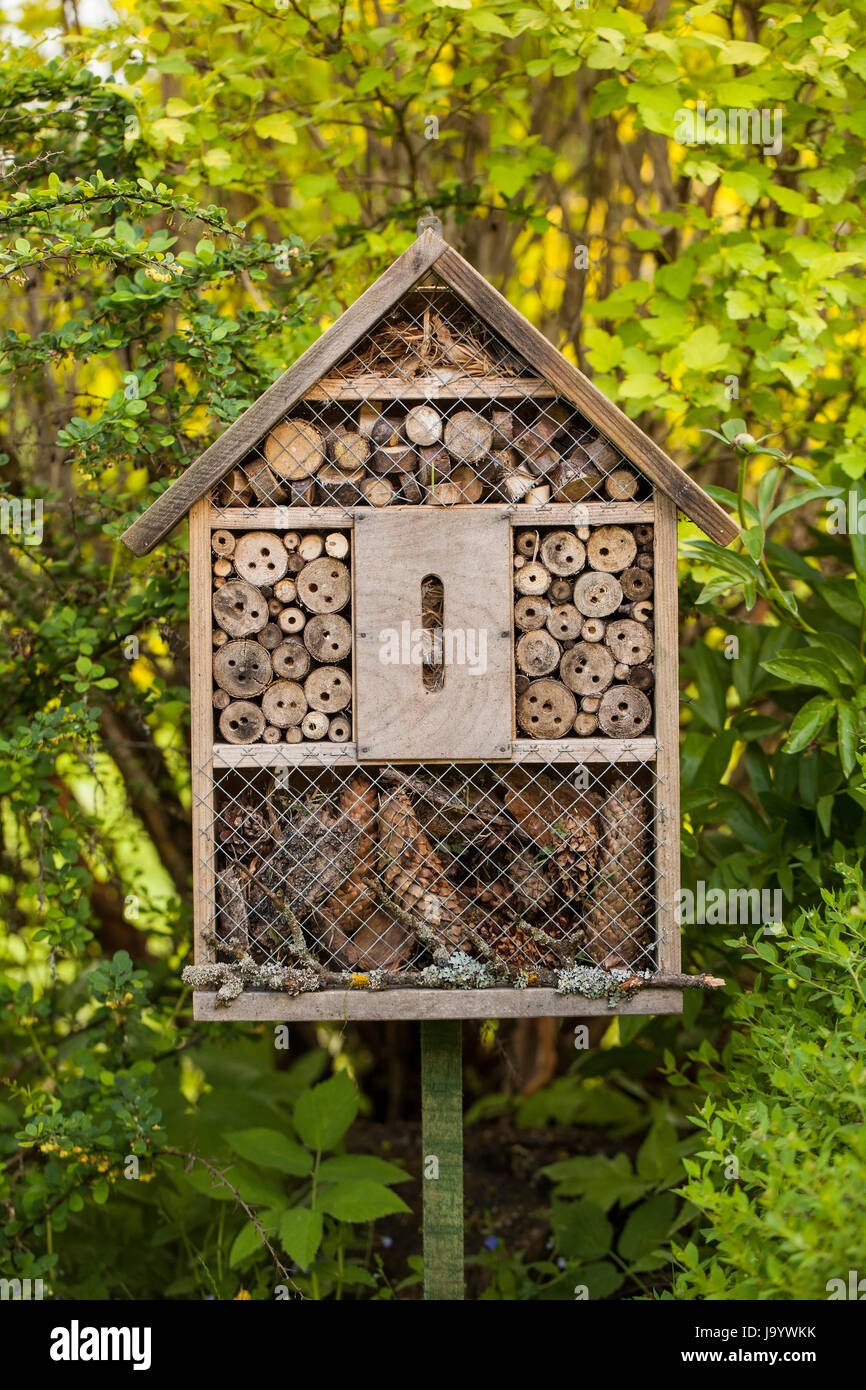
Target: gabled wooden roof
x,y
423,255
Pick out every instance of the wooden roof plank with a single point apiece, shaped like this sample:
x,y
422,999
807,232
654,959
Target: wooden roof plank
x,y
241,436
466,281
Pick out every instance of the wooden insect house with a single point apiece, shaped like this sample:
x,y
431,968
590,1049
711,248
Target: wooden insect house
x,y
434,675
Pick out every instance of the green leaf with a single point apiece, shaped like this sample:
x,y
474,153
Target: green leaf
x,y
581,1230
351,1167
301,1234
245,1243
647,1226
808,723
803,668
848,738
280,125
360,1201
271,1149
323,1114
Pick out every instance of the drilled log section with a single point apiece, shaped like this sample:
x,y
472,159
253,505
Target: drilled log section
x,y
242,722
284,703
593,630
291,660
585,725
587,668
629,642
239,608
328,688
636,583
537,653
339,729
222,542
531,612
532,579
624,712
324,585
314,725
597,595
611,549
291,620
295,449
328,637
564,622
546,709
561,590
242,668
260,557
562,553
271,734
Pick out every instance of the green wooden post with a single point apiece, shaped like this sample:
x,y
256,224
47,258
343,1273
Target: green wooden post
x,y
442,1159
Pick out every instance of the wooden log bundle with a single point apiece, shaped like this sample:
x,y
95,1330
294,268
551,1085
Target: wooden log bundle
x,y
526,453
282,641
583,632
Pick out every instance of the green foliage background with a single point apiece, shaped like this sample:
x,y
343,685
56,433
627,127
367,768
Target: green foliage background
x,y
190,195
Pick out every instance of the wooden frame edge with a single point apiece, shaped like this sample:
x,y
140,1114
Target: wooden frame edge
x,y
348,1006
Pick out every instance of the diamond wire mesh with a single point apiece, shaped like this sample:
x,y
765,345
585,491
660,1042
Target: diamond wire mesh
x,y
431,407
524,867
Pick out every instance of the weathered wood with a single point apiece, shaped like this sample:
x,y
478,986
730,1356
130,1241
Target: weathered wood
x,y
396,717
562,553
239,608
337,545
585,724
537,653
467,481
291,620
666,701
636,583
286,590
260,557
423,425
597,595
379,492
587,669
564,622
349,448
291,660
468,436
624,711
359,1003
284,703
324,585
442,1143
242,668
546,709
339,729
531,612
314,725
242,722
311,546
328,689
630,642
328,637
621,484
222,542
575,387
532,579
201,725
611,549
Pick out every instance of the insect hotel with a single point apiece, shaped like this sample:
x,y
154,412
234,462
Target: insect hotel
x,y
433,618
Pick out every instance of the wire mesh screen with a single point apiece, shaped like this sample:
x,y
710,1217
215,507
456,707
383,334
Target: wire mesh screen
x,y
431,407
517,871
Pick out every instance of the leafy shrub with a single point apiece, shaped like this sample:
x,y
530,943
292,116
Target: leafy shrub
x,y
780,1182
